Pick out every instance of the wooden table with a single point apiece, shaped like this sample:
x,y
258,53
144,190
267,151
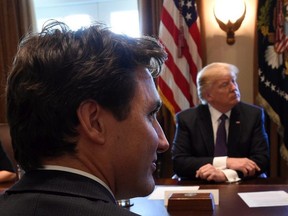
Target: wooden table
x,y
230,203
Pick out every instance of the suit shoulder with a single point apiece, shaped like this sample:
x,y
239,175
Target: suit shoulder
x,y
250,106
190,112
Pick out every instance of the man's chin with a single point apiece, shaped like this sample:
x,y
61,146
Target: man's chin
x,y
149,187
236,100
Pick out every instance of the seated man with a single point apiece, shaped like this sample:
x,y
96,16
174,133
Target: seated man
x,y
82,106
7,173
197,151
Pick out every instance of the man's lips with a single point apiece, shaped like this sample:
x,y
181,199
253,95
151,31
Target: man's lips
x,y
154,165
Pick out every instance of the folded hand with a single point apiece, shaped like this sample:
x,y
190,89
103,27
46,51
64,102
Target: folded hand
x,y
245,165
210,173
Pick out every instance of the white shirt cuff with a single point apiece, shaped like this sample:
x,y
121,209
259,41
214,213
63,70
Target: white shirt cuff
x,y
231,175
220,162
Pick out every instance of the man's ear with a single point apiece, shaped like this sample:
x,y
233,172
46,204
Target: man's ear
x,y
207,96
89,117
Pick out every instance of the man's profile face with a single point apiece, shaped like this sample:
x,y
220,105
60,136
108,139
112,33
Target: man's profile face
x,y
137,139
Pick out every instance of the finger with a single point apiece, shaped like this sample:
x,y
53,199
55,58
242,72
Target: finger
x,y
258,168
244,171
217,176
210,178
197,174
204,169
206,174
251,172
255,167
200,174
250,168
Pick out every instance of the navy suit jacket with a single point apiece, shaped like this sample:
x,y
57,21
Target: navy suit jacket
x,y
193,144
47,192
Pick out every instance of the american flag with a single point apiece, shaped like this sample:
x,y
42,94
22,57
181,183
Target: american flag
x,y
281,43
179,32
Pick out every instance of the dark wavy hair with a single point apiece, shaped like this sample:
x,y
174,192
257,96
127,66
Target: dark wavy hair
x,y
57,69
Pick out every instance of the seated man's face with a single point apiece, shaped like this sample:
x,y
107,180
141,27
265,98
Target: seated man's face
x,y
224,93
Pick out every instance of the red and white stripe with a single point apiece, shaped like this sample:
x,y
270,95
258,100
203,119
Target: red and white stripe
x,y
177,82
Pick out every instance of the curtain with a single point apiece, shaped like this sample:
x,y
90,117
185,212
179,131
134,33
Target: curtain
x,y
15,21
150,16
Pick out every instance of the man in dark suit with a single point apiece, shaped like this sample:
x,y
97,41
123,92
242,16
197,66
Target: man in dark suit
x,y
81,109
195,150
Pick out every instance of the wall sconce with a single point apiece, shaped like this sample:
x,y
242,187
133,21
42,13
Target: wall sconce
x,y
229,14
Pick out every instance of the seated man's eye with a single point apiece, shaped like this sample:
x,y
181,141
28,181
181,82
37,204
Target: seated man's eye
x,y
224,85
153,114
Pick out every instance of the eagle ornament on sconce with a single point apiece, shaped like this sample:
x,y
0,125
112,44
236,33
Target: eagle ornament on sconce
x,y
229,19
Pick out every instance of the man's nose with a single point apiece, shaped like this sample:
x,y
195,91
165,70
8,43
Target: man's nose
x,y
234,86
163,142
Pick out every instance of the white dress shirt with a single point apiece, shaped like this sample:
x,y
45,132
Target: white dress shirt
x,y
221,162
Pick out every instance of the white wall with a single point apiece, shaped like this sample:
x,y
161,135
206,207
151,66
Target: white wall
x,y
241,53
77,13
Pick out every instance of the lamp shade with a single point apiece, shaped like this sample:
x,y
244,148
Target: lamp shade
x,y
226,10
229,14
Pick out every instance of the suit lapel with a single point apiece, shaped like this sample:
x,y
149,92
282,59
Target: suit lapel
x,y
205,125
234,126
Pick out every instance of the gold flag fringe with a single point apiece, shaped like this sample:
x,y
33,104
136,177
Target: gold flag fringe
x,y
275,118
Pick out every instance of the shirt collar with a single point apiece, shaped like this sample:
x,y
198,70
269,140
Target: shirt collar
x,y
79,172
215,114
